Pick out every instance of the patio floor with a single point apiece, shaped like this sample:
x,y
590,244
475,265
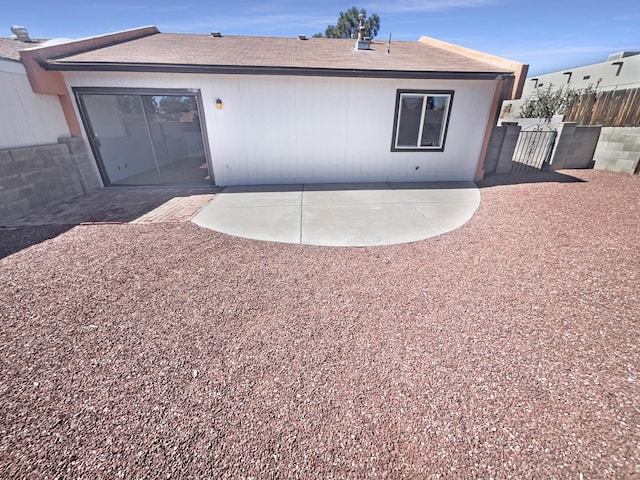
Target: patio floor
x,y
328,214
360,214
120,205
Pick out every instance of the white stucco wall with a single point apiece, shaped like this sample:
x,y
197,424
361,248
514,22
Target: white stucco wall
x,y
286,129
27,118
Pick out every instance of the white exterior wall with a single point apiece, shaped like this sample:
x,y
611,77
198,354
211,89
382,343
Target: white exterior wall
x,y
288,129
27,118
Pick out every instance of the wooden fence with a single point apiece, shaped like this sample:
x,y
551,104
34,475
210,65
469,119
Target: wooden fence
x,y
614,108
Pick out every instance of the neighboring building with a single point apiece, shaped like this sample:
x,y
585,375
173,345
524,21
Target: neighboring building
x,y
161,108
621,71
27,118
40,161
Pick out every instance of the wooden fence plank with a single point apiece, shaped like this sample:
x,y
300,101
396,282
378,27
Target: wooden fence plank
x,y
613,108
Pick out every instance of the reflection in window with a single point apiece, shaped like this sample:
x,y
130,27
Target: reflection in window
x,y
421,120
146,139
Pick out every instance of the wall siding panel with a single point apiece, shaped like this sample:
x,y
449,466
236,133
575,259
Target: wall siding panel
x,y
289,129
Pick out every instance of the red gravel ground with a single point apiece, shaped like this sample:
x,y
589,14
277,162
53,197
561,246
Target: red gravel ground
x,y
508,348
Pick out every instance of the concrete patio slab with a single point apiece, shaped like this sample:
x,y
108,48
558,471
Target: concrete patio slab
x,y
364,225
350,194
261,196
446,215
341,214
270,223
437,192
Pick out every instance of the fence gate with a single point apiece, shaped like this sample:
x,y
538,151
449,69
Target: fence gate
x,y
534,148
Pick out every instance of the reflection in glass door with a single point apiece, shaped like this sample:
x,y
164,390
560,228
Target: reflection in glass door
x,y
146,139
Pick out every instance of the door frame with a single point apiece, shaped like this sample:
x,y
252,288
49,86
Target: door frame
x,y
88,128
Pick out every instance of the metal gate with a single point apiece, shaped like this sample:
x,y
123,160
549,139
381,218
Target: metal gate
x,y
534,148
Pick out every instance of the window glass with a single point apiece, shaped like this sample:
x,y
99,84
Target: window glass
x,y
409,122
421,120
146,139
433,125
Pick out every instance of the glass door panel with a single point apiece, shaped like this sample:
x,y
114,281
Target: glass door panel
x,y
147,139
174,124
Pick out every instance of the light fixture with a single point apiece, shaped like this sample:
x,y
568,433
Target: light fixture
x,y
219,104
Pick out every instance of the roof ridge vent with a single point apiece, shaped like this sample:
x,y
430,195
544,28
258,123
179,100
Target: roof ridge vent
x,y
216,34
21,34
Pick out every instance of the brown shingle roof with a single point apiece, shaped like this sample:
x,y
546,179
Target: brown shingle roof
x,y
9,48
276,52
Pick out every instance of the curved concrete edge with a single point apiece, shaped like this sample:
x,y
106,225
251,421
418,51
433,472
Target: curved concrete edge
x,y
341,215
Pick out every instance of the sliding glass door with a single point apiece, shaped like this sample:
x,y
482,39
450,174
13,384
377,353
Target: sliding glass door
x,y
146,138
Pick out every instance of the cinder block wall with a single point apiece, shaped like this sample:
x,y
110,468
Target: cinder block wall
x,y
618,149
36,175
494,148
574,146
501,147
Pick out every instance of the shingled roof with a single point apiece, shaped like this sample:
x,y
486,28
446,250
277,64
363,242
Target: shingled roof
x,y
146,49
10,48
164,49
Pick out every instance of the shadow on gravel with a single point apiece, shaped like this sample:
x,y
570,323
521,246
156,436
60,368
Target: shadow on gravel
x,y
110,205
14,239
496,179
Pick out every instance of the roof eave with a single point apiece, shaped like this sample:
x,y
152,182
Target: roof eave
x,y
518,69
271,70
36,59
9,59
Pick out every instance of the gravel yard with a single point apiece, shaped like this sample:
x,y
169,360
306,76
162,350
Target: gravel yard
x,y
509,348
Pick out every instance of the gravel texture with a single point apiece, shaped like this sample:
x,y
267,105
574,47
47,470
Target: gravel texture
x,y
508,348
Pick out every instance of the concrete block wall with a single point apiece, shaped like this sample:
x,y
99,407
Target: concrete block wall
x,y
89,176
494,148
501,147
618,150
36,175
505,160
575,146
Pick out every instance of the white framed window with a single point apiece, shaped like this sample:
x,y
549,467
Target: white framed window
x,y
421,120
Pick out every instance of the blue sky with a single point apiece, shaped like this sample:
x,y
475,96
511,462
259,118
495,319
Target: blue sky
x,y
548,35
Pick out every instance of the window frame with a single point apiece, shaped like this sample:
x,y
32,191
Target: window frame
x,y
396,123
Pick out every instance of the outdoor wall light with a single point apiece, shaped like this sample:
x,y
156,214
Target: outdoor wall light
x,y
219,104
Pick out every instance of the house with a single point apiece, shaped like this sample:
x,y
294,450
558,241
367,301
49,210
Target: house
x,y
159,108
27,118
40,160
